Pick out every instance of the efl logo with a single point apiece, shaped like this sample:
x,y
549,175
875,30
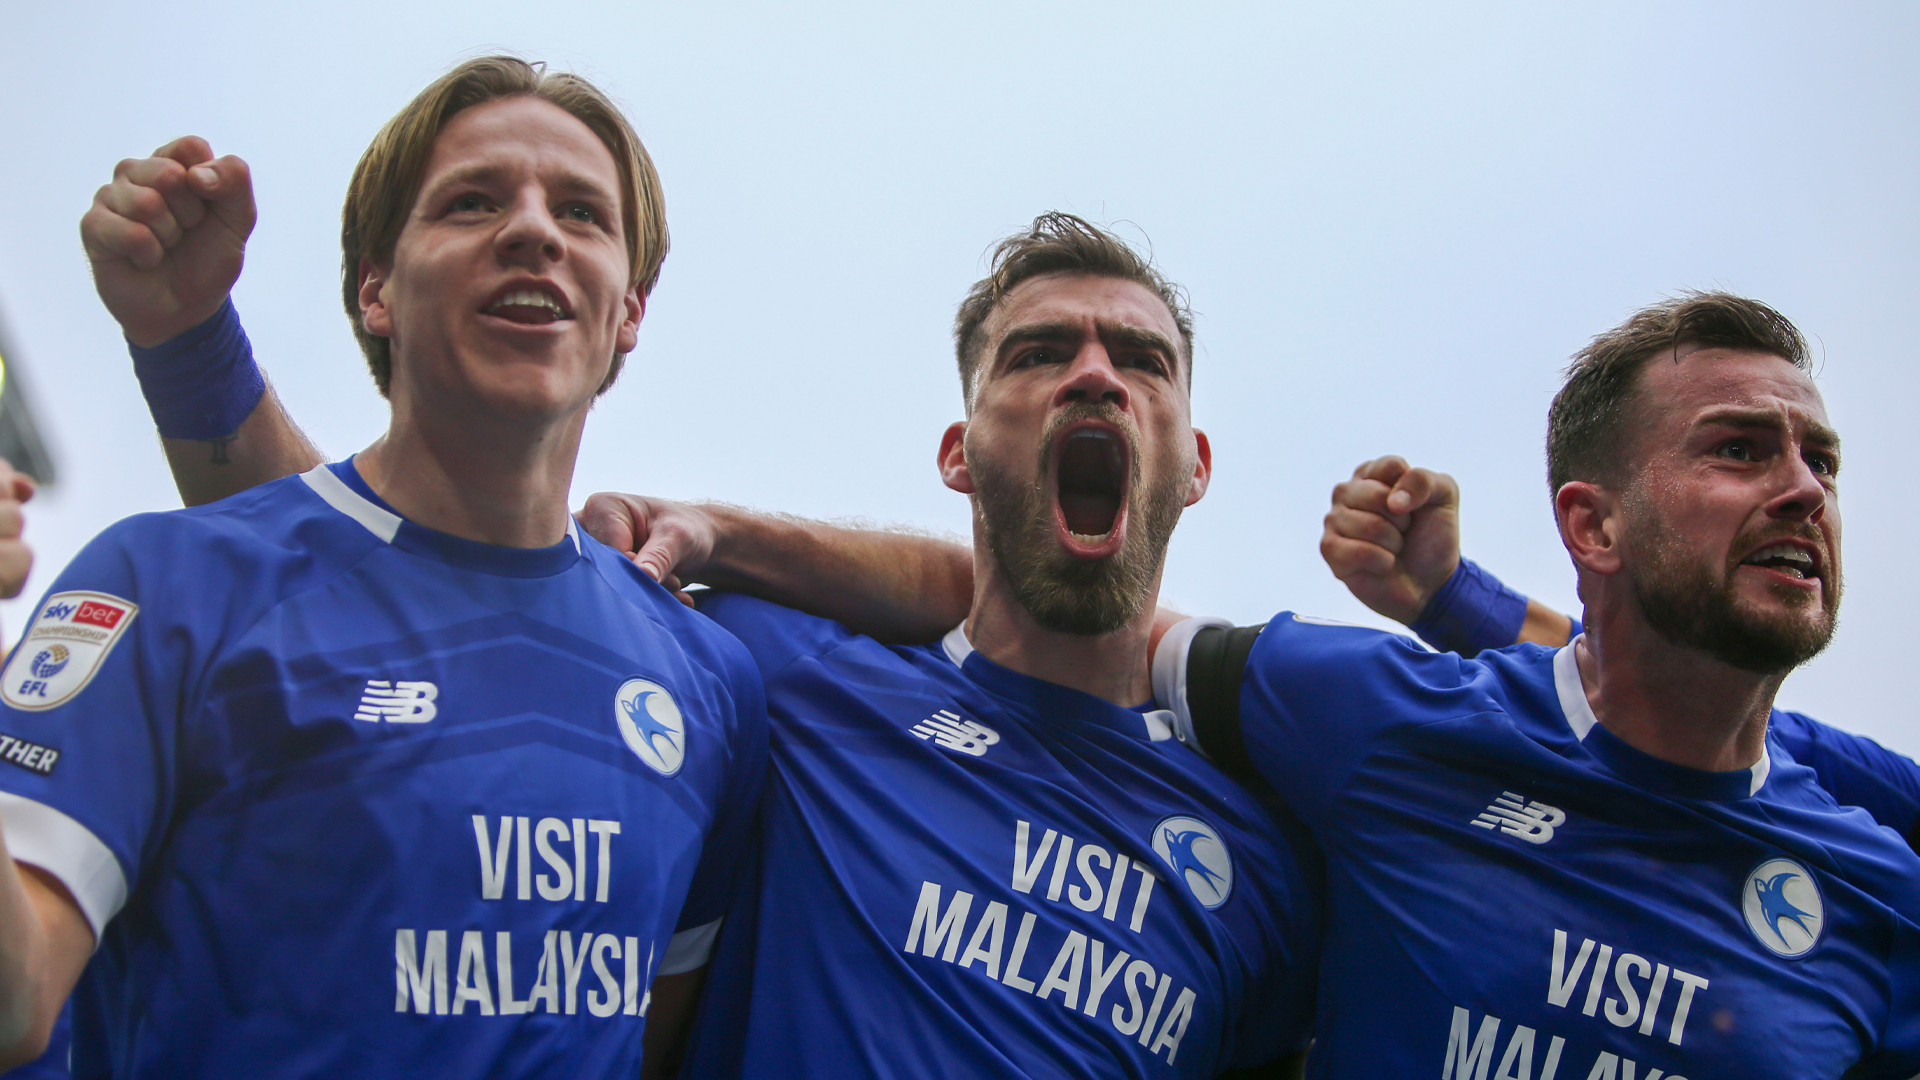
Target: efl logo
x,y
64,648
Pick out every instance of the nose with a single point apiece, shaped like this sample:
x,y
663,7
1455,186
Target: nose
x,y
528,235
1804,497
1092,378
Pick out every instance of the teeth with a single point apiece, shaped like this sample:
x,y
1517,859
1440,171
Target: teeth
x,y
1798,562
1085,539
527,298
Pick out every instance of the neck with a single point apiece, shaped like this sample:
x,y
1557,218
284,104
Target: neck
x,y
497,480
1673,702
1112,666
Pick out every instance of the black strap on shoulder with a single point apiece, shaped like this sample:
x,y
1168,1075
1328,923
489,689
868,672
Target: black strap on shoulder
x,y
1216,661
1913,838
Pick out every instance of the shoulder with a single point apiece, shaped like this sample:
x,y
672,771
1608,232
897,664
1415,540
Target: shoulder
x,y
178,586
704,644
1823,747
1323,659
279,530
774,635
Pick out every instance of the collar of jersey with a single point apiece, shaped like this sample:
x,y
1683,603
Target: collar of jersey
x,y
344,489
1145,722
1637,766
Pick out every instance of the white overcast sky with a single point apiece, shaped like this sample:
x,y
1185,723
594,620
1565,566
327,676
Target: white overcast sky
x,y
1396,222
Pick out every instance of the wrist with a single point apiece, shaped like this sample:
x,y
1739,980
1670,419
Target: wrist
x,y
736,548
201,384
1472,612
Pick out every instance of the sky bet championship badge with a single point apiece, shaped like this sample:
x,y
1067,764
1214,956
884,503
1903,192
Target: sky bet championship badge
x,y
64,648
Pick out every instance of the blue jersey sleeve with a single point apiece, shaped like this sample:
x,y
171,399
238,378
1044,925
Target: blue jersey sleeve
x,y
775,636
1856,771
91,708
1318,696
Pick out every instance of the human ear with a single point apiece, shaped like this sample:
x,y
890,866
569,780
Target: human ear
x,y
1590,519
629,333
1202,467
953,458
375,317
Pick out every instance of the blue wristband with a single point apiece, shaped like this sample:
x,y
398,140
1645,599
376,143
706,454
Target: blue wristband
x,y
1473,611
202,384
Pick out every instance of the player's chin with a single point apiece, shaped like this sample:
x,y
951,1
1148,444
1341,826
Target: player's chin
x,y
544,377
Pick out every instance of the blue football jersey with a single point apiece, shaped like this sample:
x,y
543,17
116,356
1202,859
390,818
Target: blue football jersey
x,y
964,871
1855,770
1516,894
342,795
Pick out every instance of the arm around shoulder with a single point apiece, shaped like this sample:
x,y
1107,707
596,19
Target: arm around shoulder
x,y
889,584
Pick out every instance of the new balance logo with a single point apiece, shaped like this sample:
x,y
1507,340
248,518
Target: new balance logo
x,y
1512,814
398,702
951,730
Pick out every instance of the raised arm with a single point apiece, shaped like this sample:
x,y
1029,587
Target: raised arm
x,y
891,585
166,239
1395,530
1393,538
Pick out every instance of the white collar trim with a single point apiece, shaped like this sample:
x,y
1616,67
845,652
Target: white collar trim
x,y
1573,692
349,502
1159,722
386,525
1579,713
956,645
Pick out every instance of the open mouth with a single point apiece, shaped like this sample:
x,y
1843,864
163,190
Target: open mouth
x,y
1789,560
1090,483
529,305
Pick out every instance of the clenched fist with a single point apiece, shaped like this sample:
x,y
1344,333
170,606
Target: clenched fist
x,y
166,238
16,558
1393,536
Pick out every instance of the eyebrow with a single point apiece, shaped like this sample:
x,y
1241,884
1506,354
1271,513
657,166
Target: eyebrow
x,y
486,173
1818,433
1133,337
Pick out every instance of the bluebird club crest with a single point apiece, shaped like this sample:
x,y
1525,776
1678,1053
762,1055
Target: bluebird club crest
x,y
1197,855
652,725
1783,906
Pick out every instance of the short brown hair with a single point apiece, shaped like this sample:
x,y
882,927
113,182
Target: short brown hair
x,y
388,178
1587,424
1060,243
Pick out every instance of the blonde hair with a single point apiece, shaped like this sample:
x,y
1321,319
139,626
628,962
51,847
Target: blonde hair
x,y
387,181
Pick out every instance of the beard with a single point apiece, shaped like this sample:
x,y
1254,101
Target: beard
x,y
1692,603
1062,593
